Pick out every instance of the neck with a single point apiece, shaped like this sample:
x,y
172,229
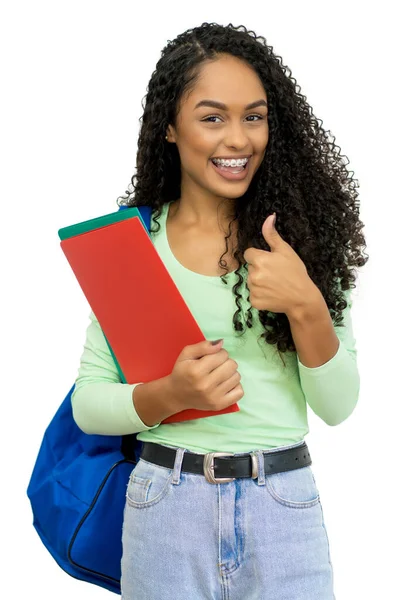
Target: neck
x,y
201,214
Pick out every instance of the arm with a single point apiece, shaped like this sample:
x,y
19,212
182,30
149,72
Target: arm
x,y
102,404
326,356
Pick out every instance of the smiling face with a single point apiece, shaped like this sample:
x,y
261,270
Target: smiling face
x,y
224,117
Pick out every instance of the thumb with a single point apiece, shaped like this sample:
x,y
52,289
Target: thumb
x,y
270,233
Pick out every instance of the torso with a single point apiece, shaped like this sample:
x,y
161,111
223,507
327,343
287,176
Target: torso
x,y
200,251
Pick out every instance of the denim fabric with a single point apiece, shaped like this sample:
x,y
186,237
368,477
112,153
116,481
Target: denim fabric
x,y
250,539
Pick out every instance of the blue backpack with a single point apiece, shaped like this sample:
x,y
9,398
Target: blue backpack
x,y
77,493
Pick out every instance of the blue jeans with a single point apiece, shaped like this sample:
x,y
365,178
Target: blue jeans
x,y
250,539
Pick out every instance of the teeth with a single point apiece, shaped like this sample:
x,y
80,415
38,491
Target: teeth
x,y
230,163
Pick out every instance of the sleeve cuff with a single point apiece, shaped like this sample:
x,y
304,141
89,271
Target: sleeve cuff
x,y
132,414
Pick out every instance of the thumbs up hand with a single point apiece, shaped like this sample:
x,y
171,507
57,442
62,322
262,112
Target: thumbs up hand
x,y
278,280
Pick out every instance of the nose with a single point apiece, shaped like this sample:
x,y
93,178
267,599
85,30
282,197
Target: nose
x,y
236,137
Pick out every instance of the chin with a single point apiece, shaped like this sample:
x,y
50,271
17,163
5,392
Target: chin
x,y
234,189
229,192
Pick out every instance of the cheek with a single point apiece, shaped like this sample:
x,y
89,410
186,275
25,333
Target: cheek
x,y
260,134
199,139
261,149
263,139
194,149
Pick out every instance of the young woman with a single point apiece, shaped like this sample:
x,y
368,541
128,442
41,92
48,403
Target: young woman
x,y
226,141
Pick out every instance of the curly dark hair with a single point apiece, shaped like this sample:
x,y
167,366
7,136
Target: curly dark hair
x,y
302,177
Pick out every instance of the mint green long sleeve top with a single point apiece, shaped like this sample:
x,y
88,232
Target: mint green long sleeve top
x,y
273,410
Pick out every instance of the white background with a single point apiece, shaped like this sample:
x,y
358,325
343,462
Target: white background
x,y
73,75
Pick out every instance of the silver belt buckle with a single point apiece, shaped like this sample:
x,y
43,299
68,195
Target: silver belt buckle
x,y
208,467
254,465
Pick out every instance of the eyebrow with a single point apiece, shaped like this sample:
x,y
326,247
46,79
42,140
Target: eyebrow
x,y
220,105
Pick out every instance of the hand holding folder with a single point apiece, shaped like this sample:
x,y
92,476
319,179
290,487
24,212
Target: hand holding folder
x,y
144,318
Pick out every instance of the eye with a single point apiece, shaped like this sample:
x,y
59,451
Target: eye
x,y
206,120
259,117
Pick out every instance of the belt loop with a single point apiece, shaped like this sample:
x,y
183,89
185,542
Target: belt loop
x,y
261,468
178,465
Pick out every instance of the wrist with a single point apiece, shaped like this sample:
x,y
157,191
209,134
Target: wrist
x,y
311,307
172,397
154,401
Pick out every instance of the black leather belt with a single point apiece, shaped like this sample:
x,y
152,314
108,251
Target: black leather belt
x,y
220,467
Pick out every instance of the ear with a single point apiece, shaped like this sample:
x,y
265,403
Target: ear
x,y
170,133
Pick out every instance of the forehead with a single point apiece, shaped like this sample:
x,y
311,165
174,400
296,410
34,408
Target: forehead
x,y
228,80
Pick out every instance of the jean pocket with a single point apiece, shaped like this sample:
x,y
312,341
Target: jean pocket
x,y
148,484
296,488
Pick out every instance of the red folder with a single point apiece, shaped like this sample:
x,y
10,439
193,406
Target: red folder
x,y
144,318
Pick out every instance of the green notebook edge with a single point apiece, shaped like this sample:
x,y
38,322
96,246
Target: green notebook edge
x,y
121,375
91,224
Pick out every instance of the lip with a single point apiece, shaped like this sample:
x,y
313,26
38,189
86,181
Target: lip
x,y
232,176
